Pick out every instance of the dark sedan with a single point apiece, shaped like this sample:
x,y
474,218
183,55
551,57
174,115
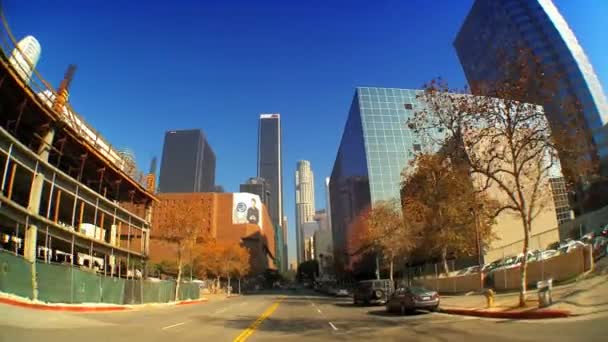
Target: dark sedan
x,y
410,299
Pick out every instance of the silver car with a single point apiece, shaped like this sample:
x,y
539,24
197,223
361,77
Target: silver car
x,y
410,299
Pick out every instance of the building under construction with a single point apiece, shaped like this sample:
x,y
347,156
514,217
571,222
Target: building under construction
x,y
67,195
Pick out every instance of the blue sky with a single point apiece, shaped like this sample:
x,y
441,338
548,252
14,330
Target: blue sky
x,y
216,65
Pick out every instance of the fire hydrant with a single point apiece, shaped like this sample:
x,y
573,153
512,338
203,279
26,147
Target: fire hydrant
x,y
489,294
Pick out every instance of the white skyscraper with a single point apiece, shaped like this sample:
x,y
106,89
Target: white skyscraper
x,y
25,58
305,203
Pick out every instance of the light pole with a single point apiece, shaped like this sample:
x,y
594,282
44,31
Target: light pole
x,y
478,243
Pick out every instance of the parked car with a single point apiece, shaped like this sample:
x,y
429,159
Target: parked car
x,y
549,253
373,291
588,238
410,299
600,247
342,292
570,246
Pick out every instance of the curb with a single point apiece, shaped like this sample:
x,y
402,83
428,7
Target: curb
x,y
530,314
71,308
195,301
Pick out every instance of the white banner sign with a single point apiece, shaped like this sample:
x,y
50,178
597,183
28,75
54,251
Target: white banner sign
x,y
246,208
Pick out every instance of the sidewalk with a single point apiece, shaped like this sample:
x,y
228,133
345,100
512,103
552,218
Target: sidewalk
x,y
6,298
584,297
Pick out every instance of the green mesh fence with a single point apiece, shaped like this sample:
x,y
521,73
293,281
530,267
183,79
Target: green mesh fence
x,y
68,284
158,291
112,290
15,275
189,291
54,283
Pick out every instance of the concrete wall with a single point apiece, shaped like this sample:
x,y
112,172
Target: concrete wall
x,y
559,268
456,284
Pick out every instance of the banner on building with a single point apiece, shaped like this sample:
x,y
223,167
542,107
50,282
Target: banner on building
x,y
246,208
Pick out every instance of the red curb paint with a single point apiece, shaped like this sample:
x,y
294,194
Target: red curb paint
x,y
512,315
69,308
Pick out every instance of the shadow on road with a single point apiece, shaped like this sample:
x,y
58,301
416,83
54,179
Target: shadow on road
x,y
384,313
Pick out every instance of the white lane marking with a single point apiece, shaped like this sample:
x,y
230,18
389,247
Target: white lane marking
x,y
175,325
319,310
221,310
333,326
243,303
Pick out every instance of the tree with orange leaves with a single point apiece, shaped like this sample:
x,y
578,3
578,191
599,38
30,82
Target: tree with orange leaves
x,y
181,226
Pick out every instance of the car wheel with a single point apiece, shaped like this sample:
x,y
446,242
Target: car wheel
x,y
403,310
435,308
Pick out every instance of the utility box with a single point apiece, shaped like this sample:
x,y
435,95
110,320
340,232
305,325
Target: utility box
x,y
544,293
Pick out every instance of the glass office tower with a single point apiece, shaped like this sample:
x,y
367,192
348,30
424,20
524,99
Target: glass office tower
x,y
188,163
375,148
536,24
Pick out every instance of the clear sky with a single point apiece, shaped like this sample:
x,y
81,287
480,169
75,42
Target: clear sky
x,y
145,67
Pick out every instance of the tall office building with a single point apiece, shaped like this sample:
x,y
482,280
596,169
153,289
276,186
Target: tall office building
x,y
258,186
188,163
270,167
376,145
305,202
492,26
25,57
327,204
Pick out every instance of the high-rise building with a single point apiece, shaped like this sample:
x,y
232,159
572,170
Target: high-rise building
x,y
188,163
305,202
327,204
25,57
258,186
285,256
270,167
376,146
493,26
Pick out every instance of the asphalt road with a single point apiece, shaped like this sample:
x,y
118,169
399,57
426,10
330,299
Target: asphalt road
x,y
298,316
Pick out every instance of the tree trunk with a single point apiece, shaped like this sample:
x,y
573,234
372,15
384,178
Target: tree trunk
x,y
524,265
444,260
179,271
239,285
391,266
229,290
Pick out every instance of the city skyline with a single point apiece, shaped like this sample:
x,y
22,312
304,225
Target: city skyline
x,y
247,81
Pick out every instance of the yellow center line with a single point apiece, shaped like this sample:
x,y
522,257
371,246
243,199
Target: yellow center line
x,y
247,332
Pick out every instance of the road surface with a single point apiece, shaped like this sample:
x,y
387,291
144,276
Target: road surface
x,y
293,316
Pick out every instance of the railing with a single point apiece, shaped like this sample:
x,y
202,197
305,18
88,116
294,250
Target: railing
x,y
45,93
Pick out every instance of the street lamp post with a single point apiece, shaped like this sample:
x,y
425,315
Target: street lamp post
x,y
478,243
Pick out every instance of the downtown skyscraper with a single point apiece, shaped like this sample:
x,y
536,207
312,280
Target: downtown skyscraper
x,y
305,204
270,168
188,162
494,27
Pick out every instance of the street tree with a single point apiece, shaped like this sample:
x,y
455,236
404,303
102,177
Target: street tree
x,y
438,197
388,234
211,259
510,146
242,265
180,226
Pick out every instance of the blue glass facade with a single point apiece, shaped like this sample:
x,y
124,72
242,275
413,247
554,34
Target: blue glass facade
x,y
376,146
492,25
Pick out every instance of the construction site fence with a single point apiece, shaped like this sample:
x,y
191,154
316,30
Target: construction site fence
x,y
58,283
